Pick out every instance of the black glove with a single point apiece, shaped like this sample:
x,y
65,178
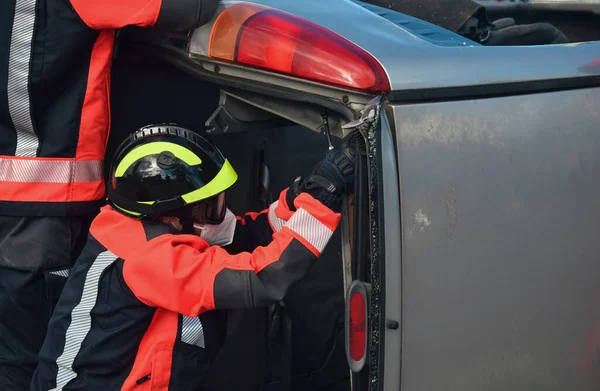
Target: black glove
x,y
337,167
331,178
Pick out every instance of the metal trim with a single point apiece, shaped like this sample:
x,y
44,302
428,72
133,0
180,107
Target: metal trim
x,y
485,91
281,80
392,257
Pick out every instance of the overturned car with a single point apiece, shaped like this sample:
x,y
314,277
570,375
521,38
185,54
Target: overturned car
x,y
467,257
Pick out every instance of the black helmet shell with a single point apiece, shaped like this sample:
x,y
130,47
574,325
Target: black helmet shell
x,y
161,168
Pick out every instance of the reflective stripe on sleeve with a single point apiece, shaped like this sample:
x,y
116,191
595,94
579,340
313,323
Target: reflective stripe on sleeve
x,y
310,229
81,320
192,332
50,170
275,222
19,61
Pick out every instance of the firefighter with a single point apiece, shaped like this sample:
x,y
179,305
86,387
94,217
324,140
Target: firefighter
x,y
138,305
55,60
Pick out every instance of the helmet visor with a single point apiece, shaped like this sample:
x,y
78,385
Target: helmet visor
x,y
211,211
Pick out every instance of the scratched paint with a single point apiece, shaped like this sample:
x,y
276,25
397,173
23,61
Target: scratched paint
x,y
422,220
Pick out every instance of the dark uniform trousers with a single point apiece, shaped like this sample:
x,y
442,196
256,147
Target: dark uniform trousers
x,y
55,62
36,254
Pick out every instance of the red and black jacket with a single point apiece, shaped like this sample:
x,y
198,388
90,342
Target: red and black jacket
x,y
55,60
137,312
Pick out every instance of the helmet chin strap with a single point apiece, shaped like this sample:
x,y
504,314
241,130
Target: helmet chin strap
x,y
187,225
183,223
184,215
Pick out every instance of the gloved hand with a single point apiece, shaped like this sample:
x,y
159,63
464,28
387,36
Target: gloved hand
x,y
337,167
331,178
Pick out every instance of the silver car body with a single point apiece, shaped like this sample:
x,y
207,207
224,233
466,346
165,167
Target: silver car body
x,y
490,179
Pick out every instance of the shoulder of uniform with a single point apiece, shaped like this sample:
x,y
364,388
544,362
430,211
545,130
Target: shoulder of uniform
x,y
118,233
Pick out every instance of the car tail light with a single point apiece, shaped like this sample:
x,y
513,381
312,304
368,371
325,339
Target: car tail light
x,y
270,39
357,322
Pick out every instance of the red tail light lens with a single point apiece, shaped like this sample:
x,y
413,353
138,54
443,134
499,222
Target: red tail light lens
x,y
358,326
270,39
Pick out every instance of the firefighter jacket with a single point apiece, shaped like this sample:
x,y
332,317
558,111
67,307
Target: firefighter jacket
x,y
137,311
55,60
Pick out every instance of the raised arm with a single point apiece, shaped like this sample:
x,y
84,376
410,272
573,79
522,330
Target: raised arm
x,y
183,274
256,229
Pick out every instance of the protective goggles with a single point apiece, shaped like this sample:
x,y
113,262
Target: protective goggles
x,y
211,211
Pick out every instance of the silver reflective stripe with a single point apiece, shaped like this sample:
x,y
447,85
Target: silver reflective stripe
x,y
311,229
19,62
61,273
81,320
50,171
275,221
192,332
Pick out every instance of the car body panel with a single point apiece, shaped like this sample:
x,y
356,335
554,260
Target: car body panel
x,y
413,62
392,253
500,224
491,204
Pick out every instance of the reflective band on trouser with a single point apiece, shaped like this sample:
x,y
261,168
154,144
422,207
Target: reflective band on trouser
x,y
310,229
275,222
19,62
81,320
50,180
192,332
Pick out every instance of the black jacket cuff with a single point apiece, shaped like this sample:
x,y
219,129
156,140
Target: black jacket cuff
x,y
185,15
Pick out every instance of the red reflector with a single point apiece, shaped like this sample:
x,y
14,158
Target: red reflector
x,y
285,43
358,319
